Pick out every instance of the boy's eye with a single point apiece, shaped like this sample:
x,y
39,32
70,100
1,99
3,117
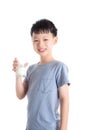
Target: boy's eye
x,y
35,41
45,39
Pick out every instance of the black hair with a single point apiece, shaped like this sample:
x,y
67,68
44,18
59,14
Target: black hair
x,y
43,25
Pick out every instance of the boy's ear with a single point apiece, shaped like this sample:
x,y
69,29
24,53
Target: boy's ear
x,y
56,40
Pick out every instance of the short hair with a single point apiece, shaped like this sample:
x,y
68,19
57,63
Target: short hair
x,y
44,25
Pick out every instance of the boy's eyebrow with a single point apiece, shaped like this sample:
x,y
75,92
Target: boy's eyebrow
x,y
36,37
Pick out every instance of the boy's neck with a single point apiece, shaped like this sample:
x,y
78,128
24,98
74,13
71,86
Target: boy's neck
x,y
44,60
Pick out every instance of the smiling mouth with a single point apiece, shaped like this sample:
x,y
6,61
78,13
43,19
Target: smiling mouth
x,y
41,50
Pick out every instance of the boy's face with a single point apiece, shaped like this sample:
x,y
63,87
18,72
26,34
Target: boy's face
x,y
43,43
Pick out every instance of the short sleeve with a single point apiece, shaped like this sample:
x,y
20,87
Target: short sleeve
x,y
28,73
26,79
62,76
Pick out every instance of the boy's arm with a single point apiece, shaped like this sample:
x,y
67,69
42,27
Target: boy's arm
x,y
64,106
21,88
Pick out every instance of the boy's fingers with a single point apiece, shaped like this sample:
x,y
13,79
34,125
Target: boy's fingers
x,y
15,60
14,69
16,64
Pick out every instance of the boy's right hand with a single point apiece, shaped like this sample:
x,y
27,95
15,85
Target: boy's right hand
x,y
16,65
19,68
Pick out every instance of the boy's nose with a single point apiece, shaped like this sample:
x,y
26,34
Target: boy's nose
x,y
41,43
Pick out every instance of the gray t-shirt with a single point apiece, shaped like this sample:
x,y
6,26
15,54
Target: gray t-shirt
x,y
44,81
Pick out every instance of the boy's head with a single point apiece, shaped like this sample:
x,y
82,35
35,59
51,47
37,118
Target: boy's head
x,y
44,26
44,37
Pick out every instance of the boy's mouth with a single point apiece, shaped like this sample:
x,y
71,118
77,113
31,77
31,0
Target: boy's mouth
x,y
41,50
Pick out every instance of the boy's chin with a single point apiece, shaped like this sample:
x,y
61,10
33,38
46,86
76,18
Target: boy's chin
x,y
43,54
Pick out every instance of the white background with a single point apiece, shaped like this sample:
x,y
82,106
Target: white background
x,y
16,18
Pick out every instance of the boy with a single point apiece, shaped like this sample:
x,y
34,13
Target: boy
x,y
46,82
